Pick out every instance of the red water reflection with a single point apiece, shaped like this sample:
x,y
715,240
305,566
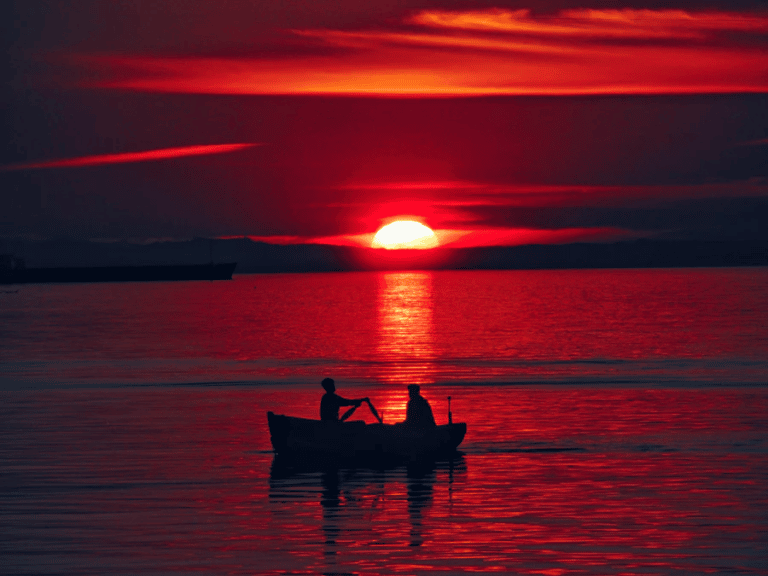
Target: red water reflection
x,y
553,480
584,326
406,333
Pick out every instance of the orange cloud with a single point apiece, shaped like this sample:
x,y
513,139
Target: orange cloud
x,y
125,157
626,23
472,53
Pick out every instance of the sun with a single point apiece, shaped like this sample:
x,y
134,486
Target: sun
x,y
405,234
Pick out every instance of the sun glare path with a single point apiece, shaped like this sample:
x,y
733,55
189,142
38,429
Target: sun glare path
x,y
405,234
406,331
125,157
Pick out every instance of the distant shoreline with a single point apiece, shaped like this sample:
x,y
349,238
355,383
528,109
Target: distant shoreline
x,y
261,257
118,274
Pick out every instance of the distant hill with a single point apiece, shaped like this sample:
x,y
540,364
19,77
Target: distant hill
x,y
260,257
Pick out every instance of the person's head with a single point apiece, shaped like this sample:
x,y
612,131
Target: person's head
x,y
329,385
413,389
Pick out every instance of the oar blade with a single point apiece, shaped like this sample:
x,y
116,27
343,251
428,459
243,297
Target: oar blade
x,y
375,413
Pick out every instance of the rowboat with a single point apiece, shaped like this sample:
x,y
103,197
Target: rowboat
x,y
358,440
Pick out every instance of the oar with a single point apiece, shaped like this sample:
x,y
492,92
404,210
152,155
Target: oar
x,y
348,413
373,411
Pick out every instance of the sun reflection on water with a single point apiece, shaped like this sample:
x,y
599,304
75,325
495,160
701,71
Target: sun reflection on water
x,y
406,333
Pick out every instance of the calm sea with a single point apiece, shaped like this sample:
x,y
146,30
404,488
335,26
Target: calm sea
x,y
617,424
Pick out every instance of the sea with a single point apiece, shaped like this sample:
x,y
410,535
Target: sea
x,y
617,423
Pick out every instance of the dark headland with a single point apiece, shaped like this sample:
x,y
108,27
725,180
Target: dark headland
x,y
196,256
16,274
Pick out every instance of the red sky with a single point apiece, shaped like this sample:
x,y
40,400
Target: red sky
x,y
478,52
491,122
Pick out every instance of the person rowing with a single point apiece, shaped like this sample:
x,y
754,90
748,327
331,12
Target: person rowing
x,y
331,402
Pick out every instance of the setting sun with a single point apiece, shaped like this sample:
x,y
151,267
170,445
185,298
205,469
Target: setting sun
x,y
405,234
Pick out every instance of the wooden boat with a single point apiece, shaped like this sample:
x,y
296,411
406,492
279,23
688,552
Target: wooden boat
x,y
357,440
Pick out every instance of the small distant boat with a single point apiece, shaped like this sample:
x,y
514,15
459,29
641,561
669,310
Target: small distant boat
x,y
357,440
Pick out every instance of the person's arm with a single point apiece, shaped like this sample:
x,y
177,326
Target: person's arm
x,y
355,402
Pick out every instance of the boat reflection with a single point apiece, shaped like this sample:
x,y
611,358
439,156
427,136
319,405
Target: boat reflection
x,y
355,500
330,501
421,480
406,332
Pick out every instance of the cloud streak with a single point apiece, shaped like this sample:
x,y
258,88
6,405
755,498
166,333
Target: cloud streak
x,y
471,238
597,24
466,194
127,157
473,53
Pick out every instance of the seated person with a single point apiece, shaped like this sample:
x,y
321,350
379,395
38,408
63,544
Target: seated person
x,y
418,413
331,402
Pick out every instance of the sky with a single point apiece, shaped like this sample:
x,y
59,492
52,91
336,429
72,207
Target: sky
x,y
493,123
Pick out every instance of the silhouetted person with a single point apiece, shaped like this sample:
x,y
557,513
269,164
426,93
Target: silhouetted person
x,y
418,414
331,402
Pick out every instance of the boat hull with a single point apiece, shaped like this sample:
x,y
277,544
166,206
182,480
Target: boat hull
x,y
357,440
